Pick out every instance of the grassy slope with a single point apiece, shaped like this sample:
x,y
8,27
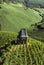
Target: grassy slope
x,y
39,34
14,18
31,53
41,10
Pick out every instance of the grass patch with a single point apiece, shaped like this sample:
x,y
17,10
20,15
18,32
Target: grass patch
x,y
15,18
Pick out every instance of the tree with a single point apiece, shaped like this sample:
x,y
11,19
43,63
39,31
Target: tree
x,y
26,3
7,1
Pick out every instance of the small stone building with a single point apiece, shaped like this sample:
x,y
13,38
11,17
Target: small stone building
x,y
22,36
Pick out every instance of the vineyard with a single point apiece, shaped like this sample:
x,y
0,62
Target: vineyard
x,y
31,53
12,19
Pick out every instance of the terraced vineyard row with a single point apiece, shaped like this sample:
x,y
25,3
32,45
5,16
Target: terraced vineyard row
x,y
25,54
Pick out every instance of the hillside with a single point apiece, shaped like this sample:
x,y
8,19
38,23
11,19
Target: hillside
x,y
31,3
37,1
14,18
38,33
31,53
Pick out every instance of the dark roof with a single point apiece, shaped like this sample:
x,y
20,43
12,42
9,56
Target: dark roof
x,y
23,33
